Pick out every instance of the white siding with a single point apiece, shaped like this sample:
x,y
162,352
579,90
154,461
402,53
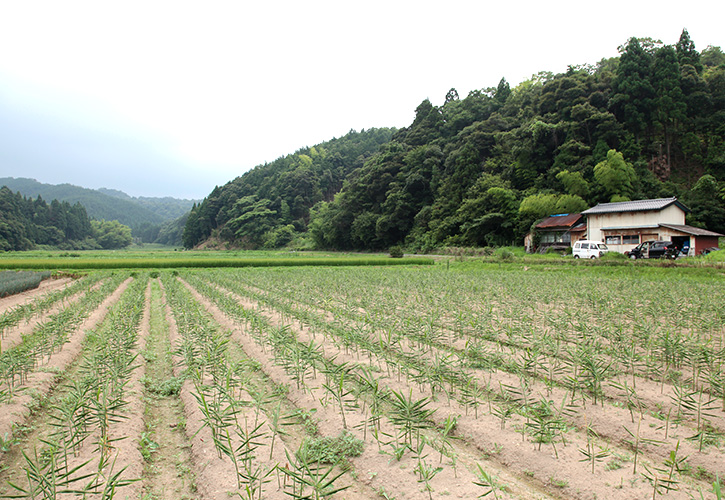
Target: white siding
x,y
644,219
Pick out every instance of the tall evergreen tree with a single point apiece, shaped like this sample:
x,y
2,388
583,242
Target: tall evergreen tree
x,y
633,96
686,53
669,103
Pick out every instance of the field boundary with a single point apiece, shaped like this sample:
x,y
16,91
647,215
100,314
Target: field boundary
x,y
62,263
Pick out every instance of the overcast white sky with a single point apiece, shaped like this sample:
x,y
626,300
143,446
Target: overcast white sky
x,y
170,98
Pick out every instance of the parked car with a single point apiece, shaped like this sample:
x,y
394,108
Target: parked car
x,y
708,250
588,249
653,249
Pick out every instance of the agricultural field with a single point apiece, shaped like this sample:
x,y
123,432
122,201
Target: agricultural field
x,y
14,282
455,380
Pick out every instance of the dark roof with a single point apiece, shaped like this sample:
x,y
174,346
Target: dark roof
x,y
635,206
695,231
564,221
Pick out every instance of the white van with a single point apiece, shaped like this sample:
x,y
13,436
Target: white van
x,y
587,249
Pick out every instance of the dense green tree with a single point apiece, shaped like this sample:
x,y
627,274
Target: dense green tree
x,y
503,91
633,93
27,222
533,208
615,176
111,234
574,183
669,105
712,57
686,53
488,217
251,219
707,205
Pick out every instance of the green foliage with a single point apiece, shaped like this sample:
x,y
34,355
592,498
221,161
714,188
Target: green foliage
x,y
168,387
173,263
258,208
615,176
396,252
330,450
111,234
27,222
149,218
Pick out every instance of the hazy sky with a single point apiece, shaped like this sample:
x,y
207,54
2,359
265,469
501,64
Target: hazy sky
x,y
170,98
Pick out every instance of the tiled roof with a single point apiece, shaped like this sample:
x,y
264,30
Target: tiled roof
x,y
559,221
695,231
634,206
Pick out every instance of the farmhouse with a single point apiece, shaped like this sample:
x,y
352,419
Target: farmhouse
x,y
624,225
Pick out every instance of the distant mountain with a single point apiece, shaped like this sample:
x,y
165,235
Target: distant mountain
x,y
167,207
107,204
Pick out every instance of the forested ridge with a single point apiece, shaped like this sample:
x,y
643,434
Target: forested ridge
x,y
481,170
26,223
270,205
152,220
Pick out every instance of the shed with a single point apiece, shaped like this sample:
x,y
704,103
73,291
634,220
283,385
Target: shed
x,y
696,238
559,231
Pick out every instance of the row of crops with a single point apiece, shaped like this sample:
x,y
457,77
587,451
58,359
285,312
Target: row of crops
x,y
12,282
360,383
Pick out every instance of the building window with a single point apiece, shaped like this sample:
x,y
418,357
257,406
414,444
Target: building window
x,y
631,239
613,240
547,238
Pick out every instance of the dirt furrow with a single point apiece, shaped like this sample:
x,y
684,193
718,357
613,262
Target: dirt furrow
x,y
215,475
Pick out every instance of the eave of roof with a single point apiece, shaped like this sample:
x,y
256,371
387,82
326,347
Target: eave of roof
x,y
635,206
695,231
620,228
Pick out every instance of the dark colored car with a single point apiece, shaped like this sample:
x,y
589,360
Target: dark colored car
x,y
653,250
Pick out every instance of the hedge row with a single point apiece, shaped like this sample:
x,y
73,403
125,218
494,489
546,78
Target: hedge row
x,y
184,263
12,282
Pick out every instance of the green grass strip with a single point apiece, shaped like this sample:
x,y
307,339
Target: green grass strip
x,y
203,263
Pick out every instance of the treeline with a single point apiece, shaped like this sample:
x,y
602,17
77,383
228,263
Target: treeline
x,y
481,170
26,223
152,220
269,206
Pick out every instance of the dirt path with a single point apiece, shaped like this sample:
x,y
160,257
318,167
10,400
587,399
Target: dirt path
x,y
127,433
168,472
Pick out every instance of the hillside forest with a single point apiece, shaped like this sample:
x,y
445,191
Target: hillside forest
x,y
152,220
26,223
480,170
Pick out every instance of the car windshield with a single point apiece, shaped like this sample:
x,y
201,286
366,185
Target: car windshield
x,y
602,246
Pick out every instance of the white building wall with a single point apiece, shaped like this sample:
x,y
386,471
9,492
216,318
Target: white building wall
x,y
670,215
